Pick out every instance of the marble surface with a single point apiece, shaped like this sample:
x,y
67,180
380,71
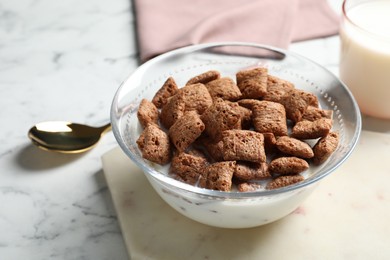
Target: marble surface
x,y
63,60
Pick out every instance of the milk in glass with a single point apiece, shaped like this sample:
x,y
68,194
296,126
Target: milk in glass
x,y
365,54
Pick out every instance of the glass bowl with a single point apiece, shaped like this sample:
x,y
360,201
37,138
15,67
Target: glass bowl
x,y
233,209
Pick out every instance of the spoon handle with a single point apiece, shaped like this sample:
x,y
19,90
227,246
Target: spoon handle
x,y
106,128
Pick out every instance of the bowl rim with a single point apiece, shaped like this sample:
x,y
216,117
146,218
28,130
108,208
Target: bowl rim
x,y
167,180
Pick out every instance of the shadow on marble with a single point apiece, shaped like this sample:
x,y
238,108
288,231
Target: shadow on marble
x,y
375,124
118,248
34,159
104,193
101,182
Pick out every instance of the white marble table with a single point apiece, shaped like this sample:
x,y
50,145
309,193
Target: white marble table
x,y
63,60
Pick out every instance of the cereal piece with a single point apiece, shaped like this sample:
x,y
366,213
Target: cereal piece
x,y
154,145
147,113
252,82
243,145
270,117
196,97
213,148
224,88
219,175
189,168
245,113
185,130
325,147
277,88
246,171
269,142
284,181
196,152
246,117
204,78
294,147
219,117
248,103
248,186
296,102
288,165
168,89
172,110
315,113
312,129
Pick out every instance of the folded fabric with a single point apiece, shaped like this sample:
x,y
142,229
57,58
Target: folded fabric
x,y
169,24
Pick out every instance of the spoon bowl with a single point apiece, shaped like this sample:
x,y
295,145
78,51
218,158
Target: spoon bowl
x,y
66,137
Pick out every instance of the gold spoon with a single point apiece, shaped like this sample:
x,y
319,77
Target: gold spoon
x,y
66,137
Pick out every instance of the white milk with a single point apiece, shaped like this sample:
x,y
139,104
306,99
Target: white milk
x,y
365,56
233,213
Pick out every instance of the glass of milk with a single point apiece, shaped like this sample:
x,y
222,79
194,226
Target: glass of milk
x,y
365,54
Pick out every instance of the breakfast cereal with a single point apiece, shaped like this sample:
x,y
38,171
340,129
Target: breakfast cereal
x,y
155,145
252,82
315,113
269,142
294,147
248,186
172,110
168,89
283,181
270,117
219,175
196,97
277,88
249,134
248,102
147,113
325,147
296,102
288,165
224,88
214,148
245,113
312,129
205,77
221,116
248,171
243,145
189,168
186,130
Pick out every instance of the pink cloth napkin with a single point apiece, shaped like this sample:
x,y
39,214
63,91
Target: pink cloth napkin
x,y
169,24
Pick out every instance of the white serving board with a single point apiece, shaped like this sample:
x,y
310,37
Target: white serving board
x,y
346,217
